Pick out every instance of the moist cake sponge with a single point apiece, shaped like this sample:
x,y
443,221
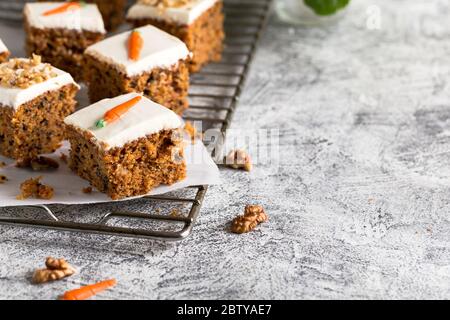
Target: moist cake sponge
x,y
62,37
160,72
127,155
198,23
34,100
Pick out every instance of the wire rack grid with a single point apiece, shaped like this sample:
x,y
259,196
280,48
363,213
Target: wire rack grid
x,y
214,95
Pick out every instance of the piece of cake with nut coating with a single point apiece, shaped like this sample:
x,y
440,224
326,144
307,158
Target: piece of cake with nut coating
x,y
34,100
4,52
126,146
145,60
198,23
60,32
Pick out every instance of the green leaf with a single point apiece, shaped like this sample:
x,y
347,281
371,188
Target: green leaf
x,y
100,124
326,7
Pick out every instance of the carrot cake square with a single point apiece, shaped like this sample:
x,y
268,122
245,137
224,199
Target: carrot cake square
x,y
113,12
146,60
4,52
34,100
60,32
126,146
198,23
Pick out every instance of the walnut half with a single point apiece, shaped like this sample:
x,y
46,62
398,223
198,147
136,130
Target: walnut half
x,y
56,269
253,215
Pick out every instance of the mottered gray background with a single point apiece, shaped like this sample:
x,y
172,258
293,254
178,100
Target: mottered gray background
x,y
358,197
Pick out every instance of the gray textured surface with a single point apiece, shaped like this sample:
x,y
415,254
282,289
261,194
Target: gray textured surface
x,y
359,205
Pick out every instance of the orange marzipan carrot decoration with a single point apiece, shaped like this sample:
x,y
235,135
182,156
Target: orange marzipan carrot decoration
x,y
86,292
117,112
72,5
135,45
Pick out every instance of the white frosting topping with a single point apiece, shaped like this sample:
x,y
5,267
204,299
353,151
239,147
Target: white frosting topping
x,y
87,18
15,97
160,50
3,48
144,118
184,15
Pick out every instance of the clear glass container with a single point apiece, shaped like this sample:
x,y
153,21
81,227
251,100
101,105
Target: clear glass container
x,y
297,12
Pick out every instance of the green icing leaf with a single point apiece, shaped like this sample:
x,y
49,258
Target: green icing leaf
x,y
100,124
326,7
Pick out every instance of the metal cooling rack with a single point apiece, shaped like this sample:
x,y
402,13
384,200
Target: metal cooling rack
x,y
214,95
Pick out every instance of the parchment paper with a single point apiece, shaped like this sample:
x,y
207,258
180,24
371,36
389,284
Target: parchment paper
x,y
201,170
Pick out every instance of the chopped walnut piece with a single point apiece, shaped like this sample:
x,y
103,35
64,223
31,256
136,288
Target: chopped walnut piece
x,y
165,3
23,73
33,188
253,215
57,269
35,60
43,163
239,159
3,179
175,213
87,190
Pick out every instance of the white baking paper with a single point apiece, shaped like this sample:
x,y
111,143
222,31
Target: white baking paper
x,y
201,170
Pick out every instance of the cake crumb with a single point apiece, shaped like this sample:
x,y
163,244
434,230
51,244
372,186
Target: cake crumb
x,y
56,269
34,188
63,157
2,164
87,190
175,213
44,163
253,215
3,179
239,159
